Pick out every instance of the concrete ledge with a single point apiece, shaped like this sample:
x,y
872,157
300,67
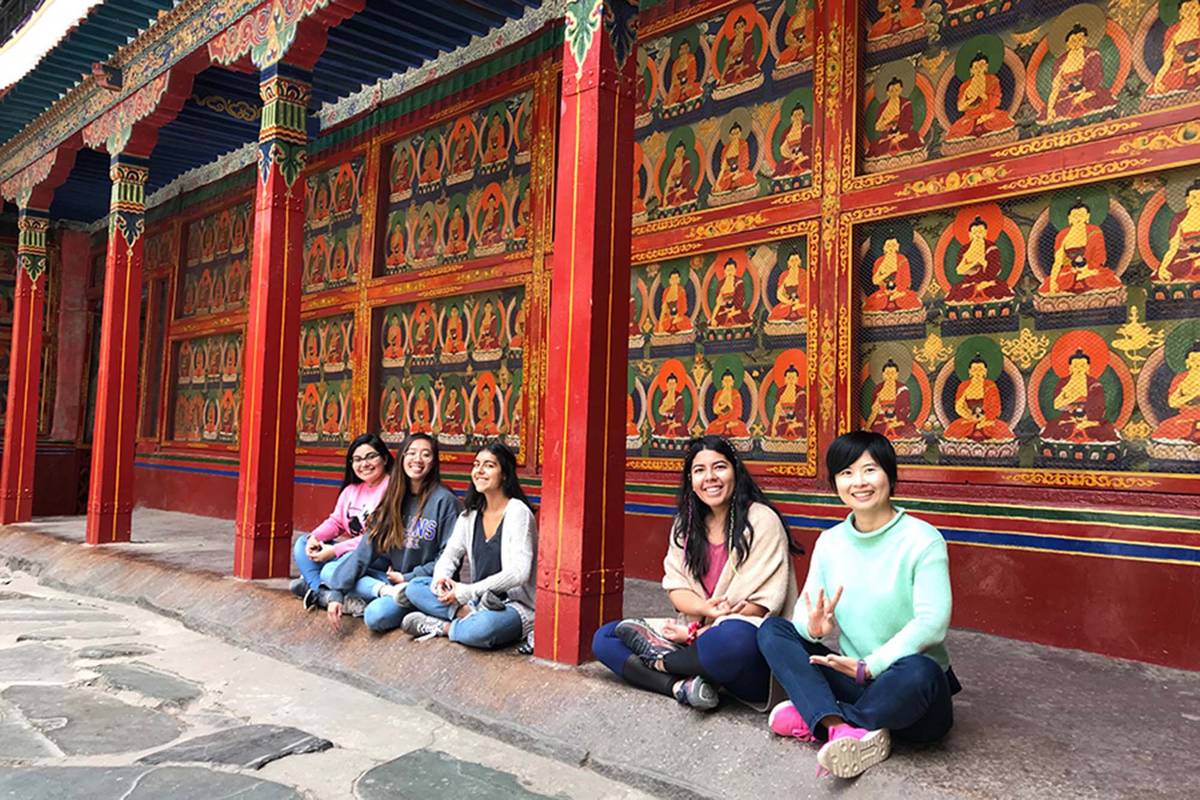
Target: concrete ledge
x,y
1032,720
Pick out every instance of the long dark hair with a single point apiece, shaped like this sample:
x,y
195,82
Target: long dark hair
x,y
377,444
387,530
690,530
509,483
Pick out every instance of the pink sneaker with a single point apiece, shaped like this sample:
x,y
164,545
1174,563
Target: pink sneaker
x,y
785,720
851,751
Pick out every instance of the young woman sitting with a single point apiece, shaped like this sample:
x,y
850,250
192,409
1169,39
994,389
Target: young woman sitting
x,y
882,579
497,534
727,567
404,540
368,461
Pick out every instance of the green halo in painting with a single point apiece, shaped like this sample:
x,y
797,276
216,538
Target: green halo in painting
x,y
1168,11
903,69
1180,342
799,97
895,352
1088,15
987,43
1178,186
728,363
691,35
1094,197
987,348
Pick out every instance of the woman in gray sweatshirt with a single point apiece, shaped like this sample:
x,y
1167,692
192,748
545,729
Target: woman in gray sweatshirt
x,y
404,538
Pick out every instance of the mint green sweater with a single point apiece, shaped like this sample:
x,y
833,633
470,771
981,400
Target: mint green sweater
x,y
896,601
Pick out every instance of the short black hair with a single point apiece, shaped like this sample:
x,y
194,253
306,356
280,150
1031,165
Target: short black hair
x,y
849,447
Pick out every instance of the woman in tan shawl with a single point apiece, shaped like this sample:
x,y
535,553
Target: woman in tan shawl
x,y
728,566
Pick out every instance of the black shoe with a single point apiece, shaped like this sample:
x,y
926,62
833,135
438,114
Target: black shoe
x,y
492,601
298,587
643,641
316,598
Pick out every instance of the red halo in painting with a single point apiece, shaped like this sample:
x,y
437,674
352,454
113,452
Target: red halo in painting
x,y
1090,343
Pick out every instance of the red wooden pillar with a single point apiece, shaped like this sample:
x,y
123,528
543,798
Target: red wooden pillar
x,y
268,426
110,491
25,366
580,568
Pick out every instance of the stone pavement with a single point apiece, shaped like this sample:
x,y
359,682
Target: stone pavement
x,y
1032,721
159,711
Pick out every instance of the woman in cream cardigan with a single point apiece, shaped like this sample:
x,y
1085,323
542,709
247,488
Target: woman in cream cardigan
x,y
497,534
727,567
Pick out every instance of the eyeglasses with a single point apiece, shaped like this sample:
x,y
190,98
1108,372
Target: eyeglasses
x,y
365,459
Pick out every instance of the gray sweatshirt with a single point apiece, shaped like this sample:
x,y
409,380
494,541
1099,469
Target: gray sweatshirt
x,y
424,539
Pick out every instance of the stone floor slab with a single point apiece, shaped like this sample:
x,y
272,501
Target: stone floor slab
x,y
58,634
198,783
18,741
68,783
249,746
137,783
36,661
423,774
84,722
101,652
149,682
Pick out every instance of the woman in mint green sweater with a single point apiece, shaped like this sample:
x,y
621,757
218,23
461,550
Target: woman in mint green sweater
x,y
881,579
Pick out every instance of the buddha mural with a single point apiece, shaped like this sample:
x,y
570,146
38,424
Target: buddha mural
x,y
976,105
972,408
896,398
1078,88
785,404
799,40
1181,261
739,49
729,401
1082,281
1180,69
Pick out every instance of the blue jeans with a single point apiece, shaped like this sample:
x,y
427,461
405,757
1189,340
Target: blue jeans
x,y
382,614
911,698
728,656
481,628
311,570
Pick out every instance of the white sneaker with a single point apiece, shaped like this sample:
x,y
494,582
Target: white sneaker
x,y
398,593
848,757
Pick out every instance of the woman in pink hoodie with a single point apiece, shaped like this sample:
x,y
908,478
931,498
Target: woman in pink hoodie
x,y
368,462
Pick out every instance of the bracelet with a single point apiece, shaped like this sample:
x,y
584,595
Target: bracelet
x,y
693,630
860,675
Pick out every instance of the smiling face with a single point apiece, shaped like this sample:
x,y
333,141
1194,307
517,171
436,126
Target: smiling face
x,y
712,479
418,460
864,486
485,472
367,463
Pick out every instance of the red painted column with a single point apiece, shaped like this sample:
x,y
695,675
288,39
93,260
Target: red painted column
x,y
110,490
25,367
580,569
268,425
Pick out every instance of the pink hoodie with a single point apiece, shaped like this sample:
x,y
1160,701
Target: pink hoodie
x,y
356,501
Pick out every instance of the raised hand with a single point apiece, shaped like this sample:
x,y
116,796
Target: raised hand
x,y
820,616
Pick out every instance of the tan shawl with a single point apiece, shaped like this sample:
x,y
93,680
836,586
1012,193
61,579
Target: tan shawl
x,y
765,578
